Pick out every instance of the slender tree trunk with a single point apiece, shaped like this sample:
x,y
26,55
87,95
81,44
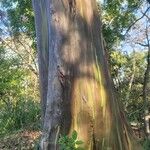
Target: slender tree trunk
x,y
76,89
146,88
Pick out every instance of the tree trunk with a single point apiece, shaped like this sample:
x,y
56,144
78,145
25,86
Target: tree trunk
x,y
76,89
146,88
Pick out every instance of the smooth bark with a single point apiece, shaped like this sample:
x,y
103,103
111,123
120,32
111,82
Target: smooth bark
x,y
146,87
76,88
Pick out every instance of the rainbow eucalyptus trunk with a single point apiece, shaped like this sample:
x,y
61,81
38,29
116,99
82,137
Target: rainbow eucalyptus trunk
x,y
76,90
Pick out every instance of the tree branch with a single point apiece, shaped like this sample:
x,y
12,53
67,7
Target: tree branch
x,y
145,45
136,21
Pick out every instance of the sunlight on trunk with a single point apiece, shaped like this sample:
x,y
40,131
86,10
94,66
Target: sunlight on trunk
x,y
79,88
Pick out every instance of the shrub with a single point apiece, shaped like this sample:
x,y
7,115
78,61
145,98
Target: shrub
x,y
70,143
21,114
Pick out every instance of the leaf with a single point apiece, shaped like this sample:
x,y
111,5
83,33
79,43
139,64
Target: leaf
x,y
74,135
79,142
80,148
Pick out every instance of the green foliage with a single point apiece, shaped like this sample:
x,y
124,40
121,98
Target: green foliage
x,y
146,144
128,72
22,114
116,17
70,143
17,108
118,60
11,76
20,18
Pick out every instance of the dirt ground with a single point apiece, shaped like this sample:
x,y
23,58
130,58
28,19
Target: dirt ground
x,y
23,140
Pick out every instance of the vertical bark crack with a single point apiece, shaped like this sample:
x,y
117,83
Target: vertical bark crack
x,y
94,142
72,7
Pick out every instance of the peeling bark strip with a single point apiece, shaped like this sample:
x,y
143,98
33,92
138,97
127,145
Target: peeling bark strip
x,y
76,88
42,33
146,85
51,90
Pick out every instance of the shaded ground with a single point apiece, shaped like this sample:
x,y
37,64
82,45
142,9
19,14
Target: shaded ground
x,y
28,140
23,140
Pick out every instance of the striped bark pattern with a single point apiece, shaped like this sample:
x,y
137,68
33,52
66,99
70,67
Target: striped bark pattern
x,y
76,88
